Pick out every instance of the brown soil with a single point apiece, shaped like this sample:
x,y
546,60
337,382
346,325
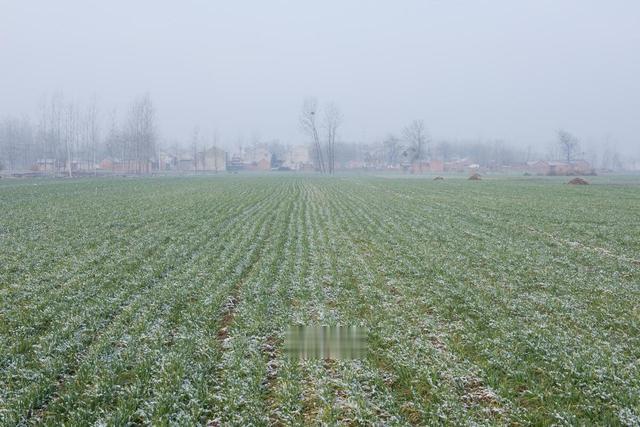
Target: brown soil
x,y
578,181
227,318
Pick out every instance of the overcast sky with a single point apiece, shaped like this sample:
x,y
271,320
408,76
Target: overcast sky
x,y
514,70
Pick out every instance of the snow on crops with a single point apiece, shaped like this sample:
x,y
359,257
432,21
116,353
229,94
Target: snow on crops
x,y
166,300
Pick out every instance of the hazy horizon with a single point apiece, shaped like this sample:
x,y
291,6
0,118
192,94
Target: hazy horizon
x,y
487,70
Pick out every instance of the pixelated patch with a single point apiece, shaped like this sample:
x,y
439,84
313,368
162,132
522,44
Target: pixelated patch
x,y
325,342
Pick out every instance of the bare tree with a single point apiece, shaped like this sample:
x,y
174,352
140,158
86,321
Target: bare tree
x,y
114,141
70,136
392,149
309,125
93,135
141,132
569,145
444,150
55,131
9,142
417,137
195,137
332,121
17,147
215,137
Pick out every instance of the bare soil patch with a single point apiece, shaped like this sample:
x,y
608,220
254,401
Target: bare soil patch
x,y
578,181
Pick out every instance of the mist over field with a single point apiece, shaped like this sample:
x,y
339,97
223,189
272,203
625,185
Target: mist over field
x,y
514,72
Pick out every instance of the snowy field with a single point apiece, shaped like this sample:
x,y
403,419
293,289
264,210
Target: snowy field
x,y
166,300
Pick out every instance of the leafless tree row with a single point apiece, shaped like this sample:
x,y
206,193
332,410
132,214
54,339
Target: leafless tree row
x,y
66,136
324,146
16,142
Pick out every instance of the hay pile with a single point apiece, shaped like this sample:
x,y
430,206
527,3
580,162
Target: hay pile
x,y
438,178
578,181
475,177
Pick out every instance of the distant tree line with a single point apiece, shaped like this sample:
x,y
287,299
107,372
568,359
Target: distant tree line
x,y
395,151
67,135
415,145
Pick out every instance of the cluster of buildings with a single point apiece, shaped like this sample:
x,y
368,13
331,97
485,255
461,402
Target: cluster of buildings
x,y
537,167
256,158
466,165
550,168
212,159
297,158
268,157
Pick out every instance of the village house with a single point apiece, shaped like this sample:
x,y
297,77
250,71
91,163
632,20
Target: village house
x,y
544,167
213,159
47,165
125,166
297,157
256,159
185,163
62,166
262,165
474,169
559,168
427,166
235,164
80,166
165,161
256,154
460,165
115,165
537,167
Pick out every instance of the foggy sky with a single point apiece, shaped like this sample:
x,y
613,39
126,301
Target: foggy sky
x,y
514,70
